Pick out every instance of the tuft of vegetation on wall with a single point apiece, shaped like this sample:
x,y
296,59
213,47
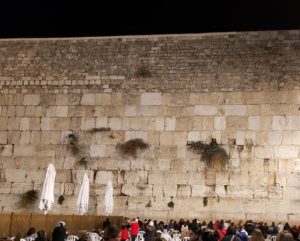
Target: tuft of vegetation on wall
x,y
131,147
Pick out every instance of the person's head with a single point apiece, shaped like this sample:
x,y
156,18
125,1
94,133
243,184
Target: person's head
x,y
257,235
285,236
61,224
286,226
31,231
110,233
231,229
210,225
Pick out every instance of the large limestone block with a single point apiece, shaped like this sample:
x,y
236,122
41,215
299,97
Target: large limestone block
x,y
238,110
180,138
260,192
88,99
13,123
156,177
36,176
254,122
240,192
281,179
193,136
239,179
258,179
210,178
275,192
136,190
133,177
136,134
88,123
293,180
103,99
63,176
62,99
68,189
205,110
20,188
291,193
3,137
170,123
234,123
234,205
221,191
5,188
166,138
219,123
222,178
278,123
171,177
62,111
3,123
159,123
130,110
151,99
275,138
102,177
148,110
77,176
281,206
200,190
207,123
292,122
196,178
286,152
253,205
31,99
184,191
97,150
184,124
6,150
24,150
264,151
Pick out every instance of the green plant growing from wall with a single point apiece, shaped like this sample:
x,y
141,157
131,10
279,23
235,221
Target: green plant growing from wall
x,y
205,201
28,199
61,199
171,203
149,204
73,144
209,152
131,147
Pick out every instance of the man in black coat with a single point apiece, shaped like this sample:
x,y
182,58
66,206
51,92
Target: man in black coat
x,y
59,233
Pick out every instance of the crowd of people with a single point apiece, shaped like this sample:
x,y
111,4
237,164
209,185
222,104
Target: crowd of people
x,y
150,230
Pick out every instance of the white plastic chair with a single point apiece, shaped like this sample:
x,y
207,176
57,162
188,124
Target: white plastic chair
x,y
93,237
29,239
140,237
72,238
273,238
186,238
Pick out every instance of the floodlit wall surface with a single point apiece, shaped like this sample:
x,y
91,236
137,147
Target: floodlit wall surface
x,y
240,88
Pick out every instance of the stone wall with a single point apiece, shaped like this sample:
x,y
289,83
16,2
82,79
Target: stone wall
x,y
240,88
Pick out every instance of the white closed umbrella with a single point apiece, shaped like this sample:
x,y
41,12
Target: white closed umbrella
x,y
108,199
83,197
47,196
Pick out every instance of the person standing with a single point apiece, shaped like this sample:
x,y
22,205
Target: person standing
x,y
60,232
134,229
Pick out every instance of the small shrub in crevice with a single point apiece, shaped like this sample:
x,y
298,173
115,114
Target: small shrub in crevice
x,y
209,152
61,199
205,201
131,147
149,204
28,199
171,203
73,144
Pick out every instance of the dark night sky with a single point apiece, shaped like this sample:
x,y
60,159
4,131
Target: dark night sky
x,y
107,17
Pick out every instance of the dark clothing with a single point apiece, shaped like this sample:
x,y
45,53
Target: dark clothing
x,y
106,224
59,234
242,235
150,234
209,235
229,238
40,236
249,227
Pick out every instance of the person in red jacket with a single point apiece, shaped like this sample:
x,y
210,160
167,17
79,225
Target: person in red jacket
x,y
134,229
124,234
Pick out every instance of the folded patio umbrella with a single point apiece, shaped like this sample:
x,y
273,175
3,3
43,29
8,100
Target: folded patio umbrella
x,y
47,196
108,199
83,197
